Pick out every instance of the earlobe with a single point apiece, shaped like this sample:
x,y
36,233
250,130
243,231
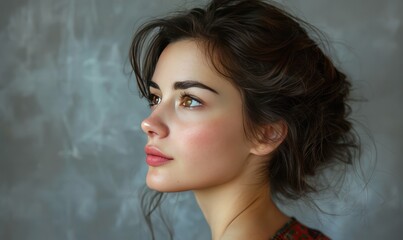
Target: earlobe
x,y
272,136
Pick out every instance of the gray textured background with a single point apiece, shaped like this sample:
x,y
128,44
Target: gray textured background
x,y
71,157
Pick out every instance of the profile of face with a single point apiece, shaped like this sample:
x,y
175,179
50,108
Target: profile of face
x,y
195,130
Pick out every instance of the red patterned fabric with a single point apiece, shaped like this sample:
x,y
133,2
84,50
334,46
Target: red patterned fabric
x,y
295,230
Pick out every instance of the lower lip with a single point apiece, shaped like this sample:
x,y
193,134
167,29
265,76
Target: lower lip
x,y
156,161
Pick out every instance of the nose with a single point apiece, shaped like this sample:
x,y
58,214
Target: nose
x,y
154,126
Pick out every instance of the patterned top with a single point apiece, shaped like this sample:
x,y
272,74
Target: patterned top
x,y
294,230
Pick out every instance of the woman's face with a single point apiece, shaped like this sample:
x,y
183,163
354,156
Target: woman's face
x,y
195,130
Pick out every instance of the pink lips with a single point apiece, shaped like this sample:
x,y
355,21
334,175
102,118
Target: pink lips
x,y
155,157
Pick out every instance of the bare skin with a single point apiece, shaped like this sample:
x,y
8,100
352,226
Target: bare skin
x,y
196,125
240,211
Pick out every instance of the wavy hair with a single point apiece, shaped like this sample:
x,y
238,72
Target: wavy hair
x,y
282,74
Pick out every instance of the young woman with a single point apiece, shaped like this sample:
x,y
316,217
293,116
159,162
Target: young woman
x,y
245,107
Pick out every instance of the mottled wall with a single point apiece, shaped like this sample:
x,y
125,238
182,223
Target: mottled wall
x,y
71,151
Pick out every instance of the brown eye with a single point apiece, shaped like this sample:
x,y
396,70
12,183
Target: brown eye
x,y
154,100
189,102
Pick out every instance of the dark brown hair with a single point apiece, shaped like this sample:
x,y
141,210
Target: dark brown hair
x,y
282,74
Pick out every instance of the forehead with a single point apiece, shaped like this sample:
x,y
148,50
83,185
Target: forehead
x,y
188,60
183,59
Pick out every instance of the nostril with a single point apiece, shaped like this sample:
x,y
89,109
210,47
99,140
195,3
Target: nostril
x,y
151,133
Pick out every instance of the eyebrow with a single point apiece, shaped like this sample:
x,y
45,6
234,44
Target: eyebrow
x,y
154,85
185,85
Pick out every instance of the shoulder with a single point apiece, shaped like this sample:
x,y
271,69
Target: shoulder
x,y
296,230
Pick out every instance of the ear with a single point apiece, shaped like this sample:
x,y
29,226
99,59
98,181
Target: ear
x,y
272,136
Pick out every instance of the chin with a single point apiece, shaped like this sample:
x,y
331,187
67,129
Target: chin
x,y
163,186
166,189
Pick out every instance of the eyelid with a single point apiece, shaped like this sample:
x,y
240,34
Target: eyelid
x,y
155,93
193,97
150,99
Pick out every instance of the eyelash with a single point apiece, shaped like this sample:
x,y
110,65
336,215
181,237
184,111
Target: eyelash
x,y
151,98
191,97
183,96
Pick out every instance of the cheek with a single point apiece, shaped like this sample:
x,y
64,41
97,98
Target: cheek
x,y
213,135
212,147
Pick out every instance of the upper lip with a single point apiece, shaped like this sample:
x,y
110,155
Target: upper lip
x,y
151,150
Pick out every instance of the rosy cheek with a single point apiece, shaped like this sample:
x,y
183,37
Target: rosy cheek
x,y
202,136
209,137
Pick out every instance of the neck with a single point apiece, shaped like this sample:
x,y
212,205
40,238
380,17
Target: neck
x,y
239,211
